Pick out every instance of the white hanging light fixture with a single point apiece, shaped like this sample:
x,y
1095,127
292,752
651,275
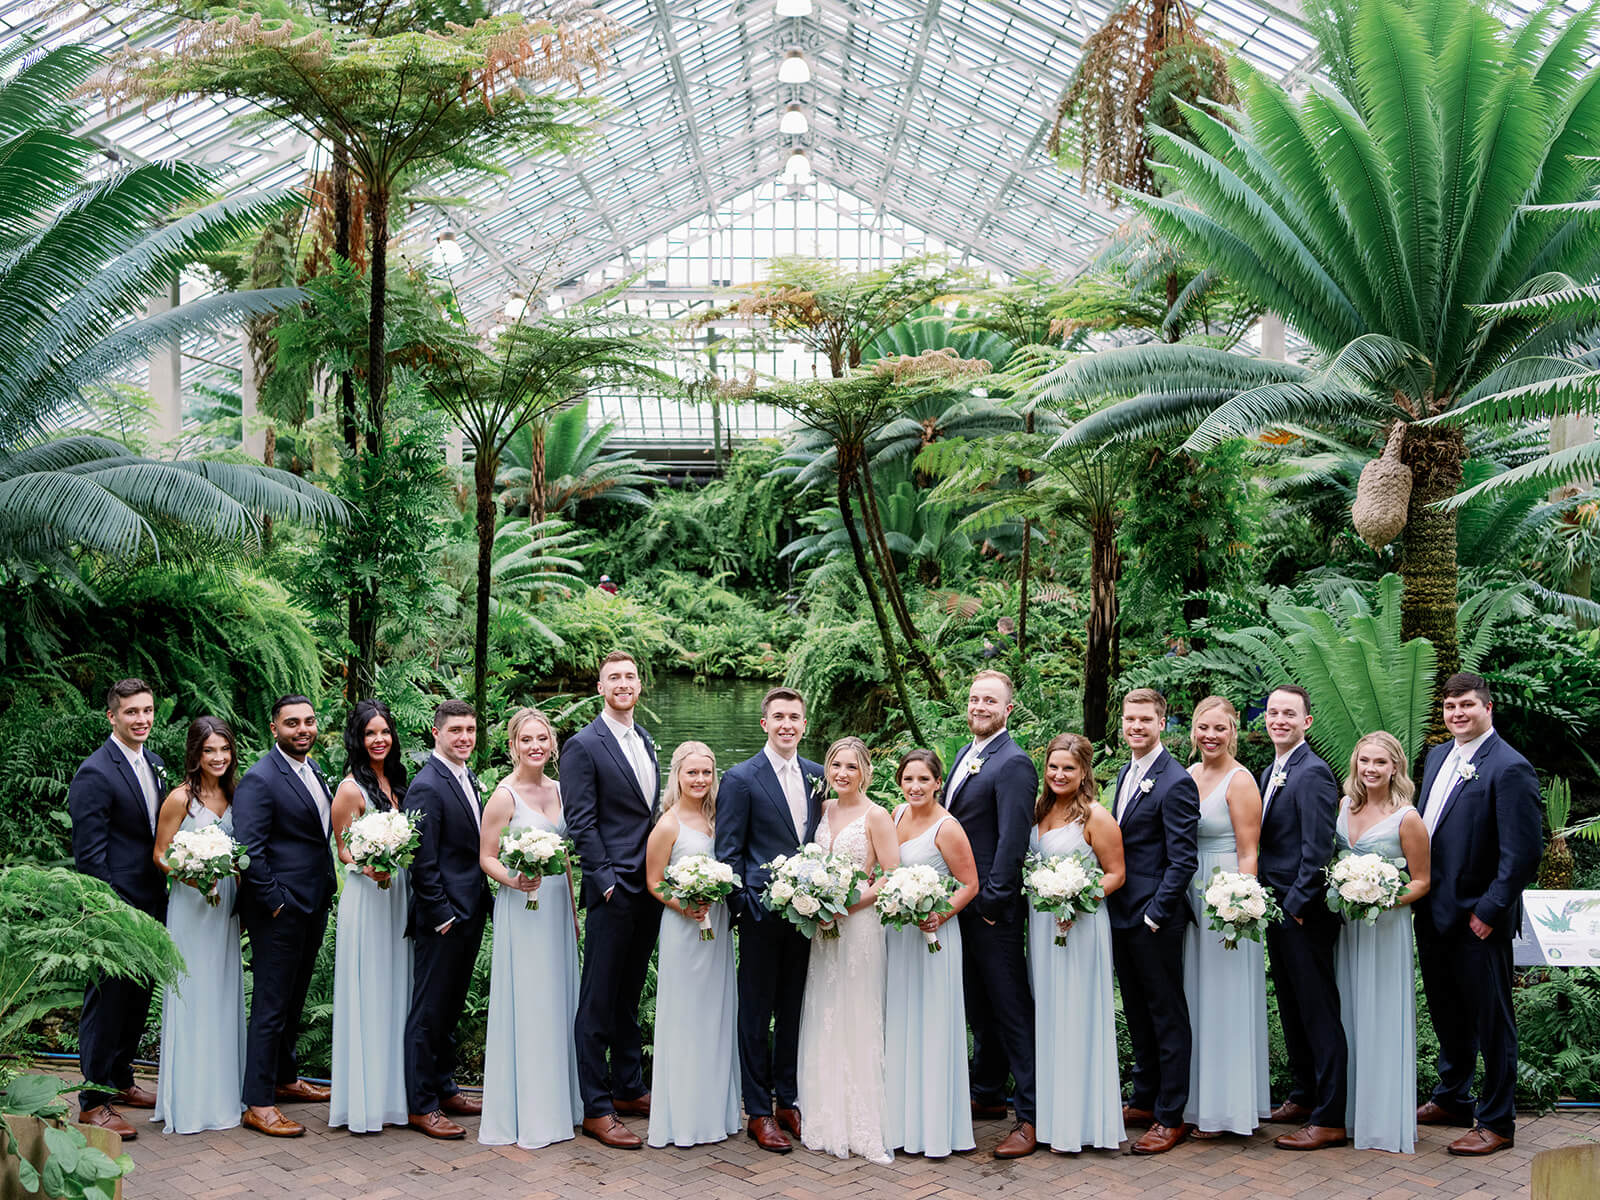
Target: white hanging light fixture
x,y
793,122
447,252
794,8
516,306
798,168
794,68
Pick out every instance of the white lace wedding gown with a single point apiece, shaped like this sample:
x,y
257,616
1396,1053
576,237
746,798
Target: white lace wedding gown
x,y
841,1026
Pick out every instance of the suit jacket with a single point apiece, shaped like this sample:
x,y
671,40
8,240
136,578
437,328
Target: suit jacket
x,y
1297,834
608,817
1486,846
995,807
111,835
447,881
1158,847
291,858
754,824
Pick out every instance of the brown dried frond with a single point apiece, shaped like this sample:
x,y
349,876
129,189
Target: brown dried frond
x,y
737,388
560,48
319,250
931,364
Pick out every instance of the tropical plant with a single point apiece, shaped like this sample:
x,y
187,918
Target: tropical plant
x,y
1372,212
79,259
1558,1026
556,462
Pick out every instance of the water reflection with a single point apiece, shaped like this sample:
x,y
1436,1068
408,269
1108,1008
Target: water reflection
x,y
725,714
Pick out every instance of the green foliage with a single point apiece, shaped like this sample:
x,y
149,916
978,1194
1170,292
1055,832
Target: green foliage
x,y
575,465
1558,1023
71,1169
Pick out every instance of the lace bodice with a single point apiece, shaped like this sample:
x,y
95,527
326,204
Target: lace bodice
x,y
851,841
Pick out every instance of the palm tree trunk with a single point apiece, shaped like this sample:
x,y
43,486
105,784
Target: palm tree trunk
x,y
377,384
483,472
538,489
1428,546
348,425
891,652
891,585
1104,567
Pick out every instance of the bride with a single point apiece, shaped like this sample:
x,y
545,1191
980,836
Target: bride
x,y
841,1019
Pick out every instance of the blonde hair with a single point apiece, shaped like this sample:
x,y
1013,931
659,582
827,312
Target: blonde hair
x,y
672,793
514,726
1228,710
1000,676
857,747
1401,788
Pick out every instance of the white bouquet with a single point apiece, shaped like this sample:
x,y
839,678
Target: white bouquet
x,y
531,852
1362,886
1238,906
812,888
695,880
910,895
205,857
384,841
1068,885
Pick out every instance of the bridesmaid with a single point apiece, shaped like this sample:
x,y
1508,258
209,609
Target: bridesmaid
x,y
925,1022
1226,989
695,1091
1372,963
1075,1026
530,1078
372,955
202,1017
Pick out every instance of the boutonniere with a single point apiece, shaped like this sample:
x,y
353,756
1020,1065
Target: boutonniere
x,y
1466,770
974,766
1279,778
1145,785
819,787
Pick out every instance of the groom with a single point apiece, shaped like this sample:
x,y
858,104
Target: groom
x,y
991,791
769,805
1479,800
114,799
610,785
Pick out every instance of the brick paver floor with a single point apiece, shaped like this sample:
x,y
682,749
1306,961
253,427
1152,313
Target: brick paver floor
x,y
398,1163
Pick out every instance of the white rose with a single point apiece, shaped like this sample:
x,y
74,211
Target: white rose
x,y
1254,906
807,905
783,891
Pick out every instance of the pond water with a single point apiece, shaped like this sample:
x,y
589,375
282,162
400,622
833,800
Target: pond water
x,y
725,714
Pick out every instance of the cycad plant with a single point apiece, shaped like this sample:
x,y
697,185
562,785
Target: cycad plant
x,y
1371,210
555,462
80,256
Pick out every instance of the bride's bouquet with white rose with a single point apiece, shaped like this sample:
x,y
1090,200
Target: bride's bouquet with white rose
x,y
1361,887
1068,885
910,895
698,879
205,857
1238,906
384,841
532,852
812,889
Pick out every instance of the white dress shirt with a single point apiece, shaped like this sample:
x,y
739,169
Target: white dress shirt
x,y
464,779
792,780
1137,770
1444,783
960,774
144,773
314,789
1278,764
633,746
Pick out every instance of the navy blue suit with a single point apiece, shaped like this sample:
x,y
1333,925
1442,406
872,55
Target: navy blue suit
x,y
755,826
1296,846
1485,850
284,899
113,841
609,818
995,808
447,885
1159,850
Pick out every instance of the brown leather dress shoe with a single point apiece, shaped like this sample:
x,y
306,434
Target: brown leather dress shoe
x,y
274,1124
459,1104
301,1090
988,1112
1434,1113
1137,1116
1312,1137
1479,1142
609,1131
1290,1113
107,1117
1019,1143
764,1132
135,1097
789,1118
1159,1138
639,1106
436,1125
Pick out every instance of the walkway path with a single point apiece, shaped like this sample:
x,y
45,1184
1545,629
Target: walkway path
x,y
337,1166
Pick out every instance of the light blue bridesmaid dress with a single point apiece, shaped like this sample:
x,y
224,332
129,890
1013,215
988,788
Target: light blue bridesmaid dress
x,y
1075,1022
1377,1006
371,997
694,1091
530,1075
926,1108
201,1068
1227,994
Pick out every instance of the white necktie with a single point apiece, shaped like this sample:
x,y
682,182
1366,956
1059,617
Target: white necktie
x,y
145,774
633,744
314,789
1272,784
789,779
1439,796
1135,772
471,793
959,775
